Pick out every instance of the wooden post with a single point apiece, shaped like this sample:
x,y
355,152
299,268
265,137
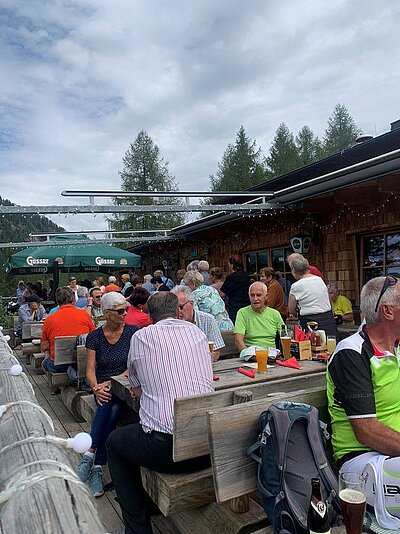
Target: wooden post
x,y
240,505
52,504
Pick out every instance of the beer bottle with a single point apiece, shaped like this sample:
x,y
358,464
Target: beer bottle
x,y
317,518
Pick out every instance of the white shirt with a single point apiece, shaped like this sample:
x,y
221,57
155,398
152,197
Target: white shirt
x,y
311,294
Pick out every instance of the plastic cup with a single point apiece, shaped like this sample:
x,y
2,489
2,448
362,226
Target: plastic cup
x,y
262,358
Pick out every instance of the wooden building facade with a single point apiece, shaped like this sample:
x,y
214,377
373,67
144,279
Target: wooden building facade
x,y
348,204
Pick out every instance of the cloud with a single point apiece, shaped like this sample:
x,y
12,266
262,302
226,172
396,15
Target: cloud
x,y
81,78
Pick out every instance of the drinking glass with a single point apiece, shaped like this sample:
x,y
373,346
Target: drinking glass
x,y
261,357
285,342
353,500
330,344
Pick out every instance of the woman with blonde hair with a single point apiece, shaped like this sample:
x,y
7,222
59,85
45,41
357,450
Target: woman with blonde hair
x,y
207,299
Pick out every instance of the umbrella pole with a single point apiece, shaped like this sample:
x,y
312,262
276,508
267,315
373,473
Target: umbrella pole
x,y
56,275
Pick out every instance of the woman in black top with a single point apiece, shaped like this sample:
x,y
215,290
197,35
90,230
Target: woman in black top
x,y
236,286
107,350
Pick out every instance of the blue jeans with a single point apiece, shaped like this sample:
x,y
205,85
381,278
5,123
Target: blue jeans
x,y
48,365
104,422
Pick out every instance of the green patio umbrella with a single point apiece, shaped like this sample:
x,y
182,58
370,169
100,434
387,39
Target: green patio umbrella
x,y
76,257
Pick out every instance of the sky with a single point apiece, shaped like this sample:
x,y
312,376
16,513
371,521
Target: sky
x,y
81,78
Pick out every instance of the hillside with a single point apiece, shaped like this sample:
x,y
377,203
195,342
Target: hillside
x,y
16,228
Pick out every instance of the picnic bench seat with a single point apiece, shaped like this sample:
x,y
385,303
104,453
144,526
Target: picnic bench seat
x,y
174,494
67,352
235,474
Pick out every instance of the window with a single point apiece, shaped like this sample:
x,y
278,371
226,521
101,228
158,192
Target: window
x,y
275,257
380,255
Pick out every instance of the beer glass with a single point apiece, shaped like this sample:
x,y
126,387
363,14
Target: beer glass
x,y
261,357
330,344
353,500
285,342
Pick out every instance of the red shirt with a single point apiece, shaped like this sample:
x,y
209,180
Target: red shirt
x,y
66,321
137,317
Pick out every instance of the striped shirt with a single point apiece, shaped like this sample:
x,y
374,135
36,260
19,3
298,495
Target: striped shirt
x,y
206,322
168,360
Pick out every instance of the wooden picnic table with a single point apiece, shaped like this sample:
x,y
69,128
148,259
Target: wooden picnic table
x,y
229,376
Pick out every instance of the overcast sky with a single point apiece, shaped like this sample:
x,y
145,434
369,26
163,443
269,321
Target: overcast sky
x,y
80,79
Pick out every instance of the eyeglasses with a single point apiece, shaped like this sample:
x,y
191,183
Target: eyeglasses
x,y
181,306
389,282
120,311
97,297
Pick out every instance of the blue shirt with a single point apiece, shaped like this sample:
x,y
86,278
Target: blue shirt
x,y
111,359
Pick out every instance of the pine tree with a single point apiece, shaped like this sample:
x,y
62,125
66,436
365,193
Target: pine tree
x,y
145,170
308,147
283,156
240,167
341,132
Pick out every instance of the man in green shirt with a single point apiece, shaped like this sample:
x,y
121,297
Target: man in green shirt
x,y
363,385
257,324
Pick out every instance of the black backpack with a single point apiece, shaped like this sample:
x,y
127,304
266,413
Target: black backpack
x,y
290,451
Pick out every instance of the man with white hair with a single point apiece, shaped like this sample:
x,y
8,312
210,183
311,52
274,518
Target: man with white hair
x,y
363,385
257,324
203,268
203,320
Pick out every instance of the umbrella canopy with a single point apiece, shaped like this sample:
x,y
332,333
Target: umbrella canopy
x,y
71,257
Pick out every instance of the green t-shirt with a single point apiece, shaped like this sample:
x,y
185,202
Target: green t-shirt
x,y
361,383
258,328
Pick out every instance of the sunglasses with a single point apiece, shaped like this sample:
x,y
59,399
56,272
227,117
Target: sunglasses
x,y
97,297
181,306
389,282
120,311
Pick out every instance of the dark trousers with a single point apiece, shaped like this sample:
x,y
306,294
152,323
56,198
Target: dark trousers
x,y
104,422
130,447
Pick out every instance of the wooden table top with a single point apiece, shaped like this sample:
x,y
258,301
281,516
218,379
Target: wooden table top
x,y
229,377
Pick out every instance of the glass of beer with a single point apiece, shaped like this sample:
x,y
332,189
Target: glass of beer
x,y
330,344
353,500
285,342
262,358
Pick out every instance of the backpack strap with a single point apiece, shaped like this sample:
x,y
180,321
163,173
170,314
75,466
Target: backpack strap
x,y
251,451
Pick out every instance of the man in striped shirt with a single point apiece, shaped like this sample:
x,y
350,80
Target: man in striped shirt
x,y
167,360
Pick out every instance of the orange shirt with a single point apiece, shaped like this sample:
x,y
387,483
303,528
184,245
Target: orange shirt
x,y
112,287
66,321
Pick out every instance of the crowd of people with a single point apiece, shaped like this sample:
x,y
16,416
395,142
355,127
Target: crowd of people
x,y
153,325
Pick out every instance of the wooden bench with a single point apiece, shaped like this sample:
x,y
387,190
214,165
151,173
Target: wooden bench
x,y
32,330
173,493
235,474
67,352
230,350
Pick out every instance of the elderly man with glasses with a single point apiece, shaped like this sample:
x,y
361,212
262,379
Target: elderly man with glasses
x,y
203,320
94,306
363,387
167,360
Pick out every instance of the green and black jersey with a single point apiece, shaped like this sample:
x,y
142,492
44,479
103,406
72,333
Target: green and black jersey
x,y
361,382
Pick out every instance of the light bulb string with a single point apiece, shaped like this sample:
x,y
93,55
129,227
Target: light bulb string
x,y
34,439
27,403
39,476
14,479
